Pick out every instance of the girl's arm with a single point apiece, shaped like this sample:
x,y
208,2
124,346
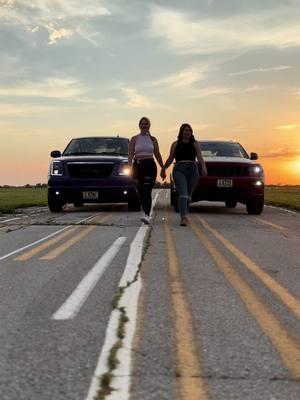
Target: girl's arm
x,y
200,158
131,147
157,152
171,156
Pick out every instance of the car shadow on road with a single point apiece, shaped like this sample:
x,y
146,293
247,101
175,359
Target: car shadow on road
x,y
95,208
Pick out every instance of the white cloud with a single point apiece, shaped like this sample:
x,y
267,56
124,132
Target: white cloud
x,y
187,35
266,69
51,87
288,127
60,18
55,34
182,79
20,110
136,100
255,88
211,91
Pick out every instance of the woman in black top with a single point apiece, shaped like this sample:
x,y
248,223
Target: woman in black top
x,y
185,173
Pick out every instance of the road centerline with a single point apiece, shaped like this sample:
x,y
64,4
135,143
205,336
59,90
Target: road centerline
x,y
285,296
191,384
286,345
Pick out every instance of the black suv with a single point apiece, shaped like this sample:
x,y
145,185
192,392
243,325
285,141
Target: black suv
x,y
232,176
91,170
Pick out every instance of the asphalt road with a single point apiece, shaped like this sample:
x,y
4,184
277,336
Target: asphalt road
x,y
212,309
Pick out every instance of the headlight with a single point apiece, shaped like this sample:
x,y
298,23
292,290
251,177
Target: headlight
x,y
124,170
56,168
256,170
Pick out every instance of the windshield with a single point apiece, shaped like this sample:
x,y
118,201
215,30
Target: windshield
x,y
222,149
96,146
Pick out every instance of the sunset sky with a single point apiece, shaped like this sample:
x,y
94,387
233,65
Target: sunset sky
x,y
69,68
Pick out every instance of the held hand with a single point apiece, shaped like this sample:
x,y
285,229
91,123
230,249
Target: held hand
x,y
163,174
204,171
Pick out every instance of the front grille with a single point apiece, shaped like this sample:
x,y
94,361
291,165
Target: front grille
x,y
226,170
90,171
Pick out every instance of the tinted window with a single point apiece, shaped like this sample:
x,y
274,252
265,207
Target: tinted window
x,y
86,146
222,149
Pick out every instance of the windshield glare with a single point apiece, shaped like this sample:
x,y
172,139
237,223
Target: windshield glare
x,y
222,149
90,146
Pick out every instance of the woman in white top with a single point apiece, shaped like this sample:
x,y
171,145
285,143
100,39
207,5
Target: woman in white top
x,y
142,149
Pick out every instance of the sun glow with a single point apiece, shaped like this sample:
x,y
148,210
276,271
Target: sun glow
x,y
295,166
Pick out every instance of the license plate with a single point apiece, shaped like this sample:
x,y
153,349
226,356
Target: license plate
x,y
90,195
224,183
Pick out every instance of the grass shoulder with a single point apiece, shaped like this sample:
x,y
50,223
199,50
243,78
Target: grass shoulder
x,y
12,198
283,196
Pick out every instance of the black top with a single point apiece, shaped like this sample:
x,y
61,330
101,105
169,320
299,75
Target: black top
x,y
185,151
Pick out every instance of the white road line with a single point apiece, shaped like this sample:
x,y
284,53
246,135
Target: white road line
x,y
11,219
44,238
283,209
129,301
76,300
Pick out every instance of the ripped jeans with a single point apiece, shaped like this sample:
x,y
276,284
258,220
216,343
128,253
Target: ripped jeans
x,y
144,175
185,175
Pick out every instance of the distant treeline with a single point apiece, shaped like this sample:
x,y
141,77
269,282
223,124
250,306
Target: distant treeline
x,y
161,185
37,185
164,185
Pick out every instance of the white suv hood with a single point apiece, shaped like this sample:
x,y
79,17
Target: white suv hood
x,y
239,160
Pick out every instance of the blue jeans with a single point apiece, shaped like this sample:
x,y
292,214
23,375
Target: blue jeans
x,y
185,175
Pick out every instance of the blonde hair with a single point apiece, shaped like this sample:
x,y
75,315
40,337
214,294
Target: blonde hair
x,y
145,119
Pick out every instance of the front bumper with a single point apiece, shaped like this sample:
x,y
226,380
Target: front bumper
x,y
118,190
242,189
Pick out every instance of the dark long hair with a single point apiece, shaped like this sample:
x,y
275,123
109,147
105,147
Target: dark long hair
x,y
180,134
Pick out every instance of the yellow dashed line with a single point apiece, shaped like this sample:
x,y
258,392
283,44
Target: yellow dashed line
x,y
191,384
279,227
287,346
65,246
45,245
287,298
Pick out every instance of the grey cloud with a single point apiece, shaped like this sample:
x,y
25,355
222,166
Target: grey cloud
x,y
285,152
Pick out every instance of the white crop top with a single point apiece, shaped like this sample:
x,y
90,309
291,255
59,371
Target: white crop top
x,y
143,147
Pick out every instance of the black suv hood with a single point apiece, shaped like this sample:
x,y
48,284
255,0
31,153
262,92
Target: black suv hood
x,y
109,158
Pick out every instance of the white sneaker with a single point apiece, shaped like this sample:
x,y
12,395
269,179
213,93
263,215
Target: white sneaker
x,y
145,219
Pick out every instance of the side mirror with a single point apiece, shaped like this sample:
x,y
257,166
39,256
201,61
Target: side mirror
x,y
55,153
253,156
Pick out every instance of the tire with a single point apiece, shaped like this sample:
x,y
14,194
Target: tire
x,y
134,204
230,203
255,205
55,206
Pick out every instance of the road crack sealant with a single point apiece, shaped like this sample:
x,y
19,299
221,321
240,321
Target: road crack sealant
x,y
107,378
111,378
